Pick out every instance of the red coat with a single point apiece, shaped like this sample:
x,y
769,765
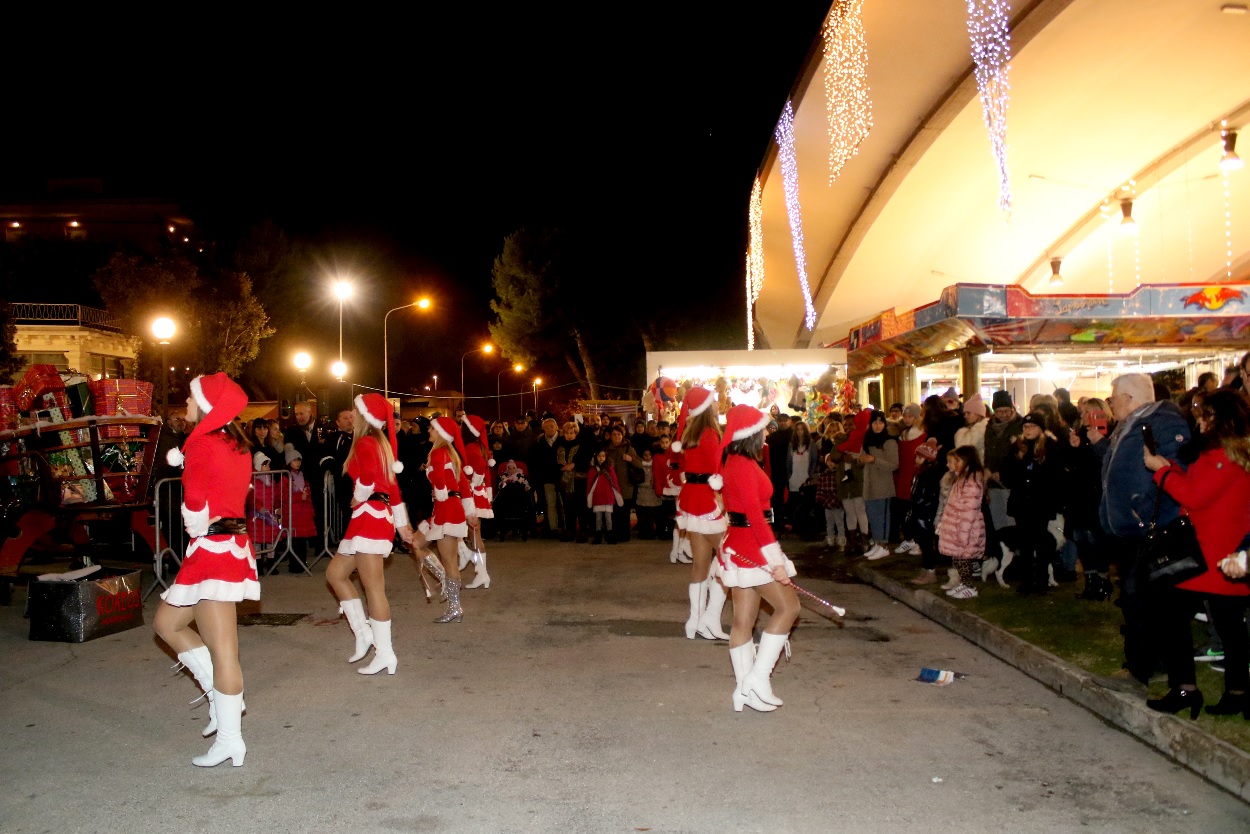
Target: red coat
x,y
603,491
372,525
215,484
703,459
303,518
906,472
1215,494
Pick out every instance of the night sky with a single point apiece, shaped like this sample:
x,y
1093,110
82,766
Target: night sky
x,y
407,146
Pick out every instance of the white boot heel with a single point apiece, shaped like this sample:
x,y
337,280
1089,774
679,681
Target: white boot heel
x,y
354,611
757,681
481,579
229,743
384,655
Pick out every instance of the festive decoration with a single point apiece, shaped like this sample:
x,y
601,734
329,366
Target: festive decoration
x,y
790,179
1227,169
755,256
988,31
848,107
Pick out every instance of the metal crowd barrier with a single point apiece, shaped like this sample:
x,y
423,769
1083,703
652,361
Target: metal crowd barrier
x,y
333,523
264,516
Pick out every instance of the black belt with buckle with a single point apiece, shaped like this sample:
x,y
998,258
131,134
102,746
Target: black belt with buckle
x,y
740,519
227,527
453,494
384,497
697,477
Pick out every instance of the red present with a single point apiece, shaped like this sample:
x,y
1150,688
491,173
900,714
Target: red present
x,y
121,397
37,380
8,407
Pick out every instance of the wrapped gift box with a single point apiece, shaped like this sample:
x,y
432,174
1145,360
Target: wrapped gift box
x,y
120,397
8,408
105,602
37,380
78,394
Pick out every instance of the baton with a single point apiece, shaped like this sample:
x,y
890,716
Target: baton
x,y
841,612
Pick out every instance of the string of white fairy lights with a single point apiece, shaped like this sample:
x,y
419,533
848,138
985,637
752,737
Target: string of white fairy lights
x,y
755,256
988,30
848,107
790,181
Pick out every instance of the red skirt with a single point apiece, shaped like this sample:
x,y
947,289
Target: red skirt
x,y
220,568
371,530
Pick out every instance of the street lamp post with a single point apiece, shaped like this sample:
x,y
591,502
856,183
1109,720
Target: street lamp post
x,y
163,329
302,363
342,291
420,303
486,348
498,396
537,381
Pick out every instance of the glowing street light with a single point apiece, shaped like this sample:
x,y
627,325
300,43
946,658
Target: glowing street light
x,y
342,291
302,363
517,368
420,304
163,329
537,382
339,369
486,348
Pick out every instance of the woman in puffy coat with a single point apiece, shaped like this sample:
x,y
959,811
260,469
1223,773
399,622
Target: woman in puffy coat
x,y
1215,493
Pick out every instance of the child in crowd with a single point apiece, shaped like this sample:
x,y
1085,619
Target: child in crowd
x,y
302,517
265,524
666,466
603,494
835,516
646,499
961,528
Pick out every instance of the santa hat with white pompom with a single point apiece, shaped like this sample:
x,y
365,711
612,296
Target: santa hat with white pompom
x,y
378,413
696,401
219,400
477,427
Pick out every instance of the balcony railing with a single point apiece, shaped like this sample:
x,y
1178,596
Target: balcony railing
x,y
63,314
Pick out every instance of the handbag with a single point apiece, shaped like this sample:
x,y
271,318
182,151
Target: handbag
x,y
1171,553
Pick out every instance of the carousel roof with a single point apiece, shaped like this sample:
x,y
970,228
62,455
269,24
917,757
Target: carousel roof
x,y
1109,100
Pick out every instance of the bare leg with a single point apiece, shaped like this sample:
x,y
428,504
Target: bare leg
x,y
339,576
220,629
372,578
746,610
449,557
785,603
702,547
172,624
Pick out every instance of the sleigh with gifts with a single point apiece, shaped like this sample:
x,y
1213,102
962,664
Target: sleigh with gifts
x,y
62,475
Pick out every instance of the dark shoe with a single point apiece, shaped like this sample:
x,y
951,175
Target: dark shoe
x,y
1097,588
1231,704
1177,700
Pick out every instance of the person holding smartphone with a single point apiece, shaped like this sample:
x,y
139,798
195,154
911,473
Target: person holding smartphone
x,y
1083,476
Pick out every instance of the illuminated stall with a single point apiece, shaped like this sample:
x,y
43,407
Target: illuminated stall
x,y
811,382
984,338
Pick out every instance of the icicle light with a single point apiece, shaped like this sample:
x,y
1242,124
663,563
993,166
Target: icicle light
x,y
988,22
755,256
790,179
848,107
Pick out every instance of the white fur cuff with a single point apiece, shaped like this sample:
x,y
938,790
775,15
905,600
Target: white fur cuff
x,y
400,513
773,555
196,521
441,494
361,492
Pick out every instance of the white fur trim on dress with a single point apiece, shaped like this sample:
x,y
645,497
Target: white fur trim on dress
x,y
400,513
226,544
772,554
369,509
434,532
477,480
196,521
218,590
732,576
715,481
441,493
361,492
197,391
174,457
359,544
369,418
711,523
470,506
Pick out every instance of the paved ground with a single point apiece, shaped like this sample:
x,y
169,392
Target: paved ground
x,y
569,700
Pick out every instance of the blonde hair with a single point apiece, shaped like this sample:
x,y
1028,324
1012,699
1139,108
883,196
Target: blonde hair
x,y
438,441
696,425
363,429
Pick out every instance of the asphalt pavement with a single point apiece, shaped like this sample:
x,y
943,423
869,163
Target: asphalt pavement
x,y
570,700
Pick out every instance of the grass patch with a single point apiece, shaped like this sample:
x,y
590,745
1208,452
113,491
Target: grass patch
x,y
1085,634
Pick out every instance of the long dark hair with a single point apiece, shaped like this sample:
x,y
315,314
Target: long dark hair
x,y
1228,425
972,462
242,443
877,439
932,413
748,447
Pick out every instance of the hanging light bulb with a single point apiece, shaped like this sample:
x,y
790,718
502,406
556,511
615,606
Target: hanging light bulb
x,y
1128,225
1056,280
1230,161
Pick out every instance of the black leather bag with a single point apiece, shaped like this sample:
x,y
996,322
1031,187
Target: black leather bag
x,y
1171,553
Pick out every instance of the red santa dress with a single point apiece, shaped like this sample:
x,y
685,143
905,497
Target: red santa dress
x,y
747,491
479,480
697,508
373,522
452,498
215,485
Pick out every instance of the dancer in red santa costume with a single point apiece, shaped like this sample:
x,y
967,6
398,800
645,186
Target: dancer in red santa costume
x,y
478,465
699,511
455,512
219,569
751,562
378,511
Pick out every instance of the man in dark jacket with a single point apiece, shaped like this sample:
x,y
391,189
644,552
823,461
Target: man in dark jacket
x,y
778,461
545,476
1128,506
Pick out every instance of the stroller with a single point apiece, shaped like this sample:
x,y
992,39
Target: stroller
x,y
514,501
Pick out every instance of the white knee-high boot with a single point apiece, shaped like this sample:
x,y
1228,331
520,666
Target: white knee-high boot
x,y
384,655
757,680
481,579
696,609
709,620
466,555
743,657
229,742
354,611
200,664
